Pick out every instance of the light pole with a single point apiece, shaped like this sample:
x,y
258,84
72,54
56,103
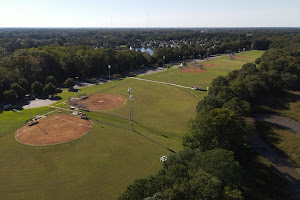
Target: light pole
x,y
129,91
207,53
28,95
131,99
79,102
109,75
164,63
77,85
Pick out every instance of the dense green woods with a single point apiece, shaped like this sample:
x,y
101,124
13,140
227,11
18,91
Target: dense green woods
x,y
33,55
217,162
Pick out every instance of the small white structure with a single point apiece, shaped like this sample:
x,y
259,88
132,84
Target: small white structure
x,y
163,158
37,117
75,113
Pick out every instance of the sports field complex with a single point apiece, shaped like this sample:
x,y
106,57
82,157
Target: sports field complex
x,y
119,139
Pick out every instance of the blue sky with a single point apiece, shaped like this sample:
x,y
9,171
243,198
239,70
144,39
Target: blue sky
x,y
151,13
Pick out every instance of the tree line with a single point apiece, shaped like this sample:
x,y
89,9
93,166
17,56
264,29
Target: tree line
x,y
214,161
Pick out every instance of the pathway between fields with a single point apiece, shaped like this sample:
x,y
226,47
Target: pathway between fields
x,y
141,79
282,165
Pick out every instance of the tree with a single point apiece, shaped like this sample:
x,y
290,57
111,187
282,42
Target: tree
x,y
219,128
20,91
49,89
239,106
208,103
219,163
69,83
37,88
219,81
11,96
247,69
23,83
51,79
240,90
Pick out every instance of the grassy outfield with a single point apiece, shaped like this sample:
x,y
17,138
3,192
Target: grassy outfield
x,y
98,165
204,79
160,107
11,121
102,163
284,141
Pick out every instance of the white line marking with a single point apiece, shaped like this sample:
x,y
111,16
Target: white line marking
x,y
141,79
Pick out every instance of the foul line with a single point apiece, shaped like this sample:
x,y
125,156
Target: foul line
x,y
141,79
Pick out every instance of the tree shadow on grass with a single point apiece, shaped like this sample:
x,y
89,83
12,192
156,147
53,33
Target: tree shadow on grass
x,y
281,101
262,181
266,130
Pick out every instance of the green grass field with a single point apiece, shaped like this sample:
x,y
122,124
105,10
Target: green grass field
x,y
102,163
204,79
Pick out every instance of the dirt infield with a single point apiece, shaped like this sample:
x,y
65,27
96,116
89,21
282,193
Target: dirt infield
x,y
192,70
208,65
56,129
100,102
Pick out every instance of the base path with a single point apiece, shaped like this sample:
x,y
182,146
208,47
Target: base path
x,y
141,79
283,166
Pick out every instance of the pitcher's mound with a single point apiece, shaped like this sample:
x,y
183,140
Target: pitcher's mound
x,y
192,70
56,129
98,102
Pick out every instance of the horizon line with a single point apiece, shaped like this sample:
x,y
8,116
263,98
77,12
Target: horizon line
x,y
45,27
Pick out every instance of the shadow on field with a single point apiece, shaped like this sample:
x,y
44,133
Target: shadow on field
x,y
98,122
155,142
151,130
266,131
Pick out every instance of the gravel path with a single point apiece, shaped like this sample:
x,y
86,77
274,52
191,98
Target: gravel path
x,y
282,165
281,121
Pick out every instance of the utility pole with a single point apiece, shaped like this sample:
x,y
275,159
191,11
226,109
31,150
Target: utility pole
x,y
109,75
78,91
131,99
207,53
164,63
227,65
129,92
28,95
173,74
